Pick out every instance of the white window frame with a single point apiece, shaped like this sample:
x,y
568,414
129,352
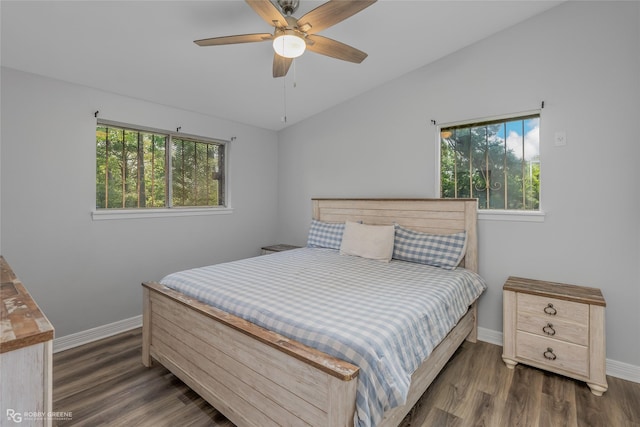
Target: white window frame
x,y
492,214
174,211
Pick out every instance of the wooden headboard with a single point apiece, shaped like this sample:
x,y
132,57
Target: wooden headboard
x,y
436,216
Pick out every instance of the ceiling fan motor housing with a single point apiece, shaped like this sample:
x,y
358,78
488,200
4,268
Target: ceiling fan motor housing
x,y
288,6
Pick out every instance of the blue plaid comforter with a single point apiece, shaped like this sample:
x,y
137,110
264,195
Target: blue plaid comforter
x,y
385,318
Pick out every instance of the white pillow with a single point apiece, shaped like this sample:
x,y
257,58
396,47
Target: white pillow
x,y
368,241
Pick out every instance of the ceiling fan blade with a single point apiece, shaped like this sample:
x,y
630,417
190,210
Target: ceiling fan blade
x,y
335,49
242,38
268,12
330,13
281,65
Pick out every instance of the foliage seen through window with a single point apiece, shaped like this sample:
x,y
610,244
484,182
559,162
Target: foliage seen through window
x,y
140,169
497,162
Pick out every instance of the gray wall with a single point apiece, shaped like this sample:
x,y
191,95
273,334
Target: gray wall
x,y
87,273
583,60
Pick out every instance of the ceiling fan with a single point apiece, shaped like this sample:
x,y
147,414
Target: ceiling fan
x,y
292,36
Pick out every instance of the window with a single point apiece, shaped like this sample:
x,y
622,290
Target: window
x,y
138,168
495,161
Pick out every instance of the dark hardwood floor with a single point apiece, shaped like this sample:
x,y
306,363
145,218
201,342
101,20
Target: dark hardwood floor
x,y
105,384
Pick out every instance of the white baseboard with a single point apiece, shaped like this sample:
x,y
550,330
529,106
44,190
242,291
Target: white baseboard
x,y
616,369
626,371
94,334
490,336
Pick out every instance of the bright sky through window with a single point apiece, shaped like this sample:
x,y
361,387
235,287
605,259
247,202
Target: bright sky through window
x,y
495,161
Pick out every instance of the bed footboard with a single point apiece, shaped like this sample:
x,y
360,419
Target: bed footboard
x,y
253,376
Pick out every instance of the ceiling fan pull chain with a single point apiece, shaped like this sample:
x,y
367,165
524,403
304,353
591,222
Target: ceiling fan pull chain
x,y
295,80
284,98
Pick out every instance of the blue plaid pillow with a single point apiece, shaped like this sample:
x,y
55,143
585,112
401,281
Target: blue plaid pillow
x,y
439,250
325,234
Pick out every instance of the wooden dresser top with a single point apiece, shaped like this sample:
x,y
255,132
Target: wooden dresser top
x,y
22,323
562,291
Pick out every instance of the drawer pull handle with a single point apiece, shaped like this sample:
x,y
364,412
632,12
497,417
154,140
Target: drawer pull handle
x,y
549,330
549,354
549,309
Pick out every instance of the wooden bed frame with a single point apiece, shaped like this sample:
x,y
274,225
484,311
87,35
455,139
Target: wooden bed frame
x,y
256,377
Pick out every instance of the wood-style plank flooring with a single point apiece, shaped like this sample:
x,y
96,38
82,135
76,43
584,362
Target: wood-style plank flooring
x,y
105,384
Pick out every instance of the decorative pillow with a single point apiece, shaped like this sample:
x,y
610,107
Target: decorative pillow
x,y
368,241
325,234
439,250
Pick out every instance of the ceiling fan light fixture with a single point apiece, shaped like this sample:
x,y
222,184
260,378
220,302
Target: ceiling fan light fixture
x,y
288,44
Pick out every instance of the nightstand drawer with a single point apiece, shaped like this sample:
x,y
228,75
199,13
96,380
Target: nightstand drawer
x,y
552,308
552,354
558,328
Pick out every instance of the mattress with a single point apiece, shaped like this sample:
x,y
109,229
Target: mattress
x,y
385,318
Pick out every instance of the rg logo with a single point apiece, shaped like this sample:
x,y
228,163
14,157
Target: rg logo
x,y
14,416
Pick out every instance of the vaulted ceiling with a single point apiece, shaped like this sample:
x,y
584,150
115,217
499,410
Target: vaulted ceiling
x,y
145,50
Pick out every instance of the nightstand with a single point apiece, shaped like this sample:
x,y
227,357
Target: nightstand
x,y
277,248
556,327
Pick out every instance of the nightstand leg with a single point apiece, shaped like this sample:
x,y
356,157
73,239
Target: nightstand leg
x,y
511,364
596,389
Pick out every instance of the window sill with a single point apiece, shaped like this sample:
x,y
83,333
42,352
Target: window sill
x,y
107,214
505,215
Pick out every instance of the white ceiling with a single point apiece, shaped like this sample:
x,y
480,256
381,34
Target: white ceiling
x,y
145,50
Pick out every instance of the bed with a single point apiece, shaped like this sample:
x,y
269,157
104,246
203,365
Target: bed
x,y
257,376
